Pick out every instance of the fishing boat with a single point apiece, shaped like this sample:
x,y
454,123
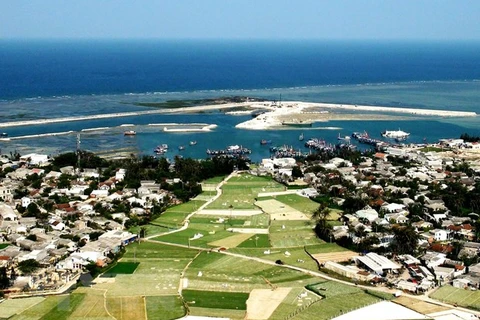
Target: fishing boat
x,y
129,133
192,143
345,138
3,135
264,142
301,137
180,148
397,134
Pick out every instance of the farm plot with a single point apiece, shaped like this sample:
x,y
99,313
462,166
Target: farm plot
x,y
48,308
299,203
93,305
336,295
173,217
420,306
335,256
216,300
292,256
461,297
123,268
217,272
125,308
263,302
256,241
296,299
280,211
11,307
197,235
296,233
240,192
164,307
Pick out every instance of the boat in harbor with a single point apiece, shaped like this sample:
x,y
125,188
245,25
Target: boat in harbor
x,y
129,133
397,134
192,143
264,142
3,135
301,137
180,148
345,138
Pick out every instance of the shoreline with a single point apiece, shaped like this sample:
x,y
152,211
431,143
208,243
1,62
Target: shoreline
x,y
305,113
272,118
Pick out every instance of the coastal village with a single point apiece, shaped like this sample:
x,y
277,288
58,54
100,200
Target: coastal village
x,y
409,217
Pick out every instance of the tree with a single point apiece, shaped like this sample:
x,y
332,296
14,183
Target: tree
x,y
4,280
322,228
28,266
297,172
405,239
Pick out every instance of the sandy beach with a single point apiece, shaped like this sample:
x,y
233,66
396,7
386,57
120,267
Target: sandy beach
x,y
295,112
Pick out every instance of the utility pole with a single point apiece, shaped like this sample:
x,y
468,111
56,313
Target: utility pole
x,y
78,152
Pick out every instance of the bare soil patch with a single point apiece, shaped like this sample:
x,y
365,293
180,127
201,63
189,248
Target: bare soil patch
x,y
280,211
334,256
263,302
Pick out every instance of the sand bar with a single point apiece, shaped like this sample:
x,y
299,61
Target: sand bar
x,y
264,121
305,112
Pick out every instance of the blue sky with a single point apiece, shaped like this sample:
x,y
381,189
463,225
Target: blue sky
x,y
235,19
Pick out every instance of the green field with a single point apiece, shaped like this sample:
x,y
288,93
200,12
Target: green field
x,y
295,233
461,297
298,257
214,180
164,307
300,203
240,192
123,268
11,307
256,241
52,307
173,217
3,245
217,300
217,272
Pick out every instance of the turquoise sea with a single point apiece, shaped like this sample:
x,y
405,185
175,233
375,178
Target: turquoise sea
x,y
41,79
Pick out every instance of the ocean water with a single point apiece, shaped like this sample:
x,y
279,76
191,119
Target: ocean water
x,y
45,79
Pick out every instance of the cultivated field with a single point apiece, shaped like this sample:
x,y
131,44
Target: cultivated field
x,y
11,307
280,211
335,256
263,302
296,233
299,203
418,305
240,192
461,297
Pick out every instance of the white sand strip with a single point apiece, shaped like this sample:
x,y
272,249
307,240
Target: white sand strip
x,y
227,212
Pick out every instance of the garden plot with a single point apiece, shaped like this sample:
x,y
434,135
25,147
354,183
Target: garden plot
x,y
263,302
280,211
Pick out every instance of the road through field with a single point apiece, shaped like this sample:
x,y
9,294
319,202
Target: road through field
x,y
309,272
